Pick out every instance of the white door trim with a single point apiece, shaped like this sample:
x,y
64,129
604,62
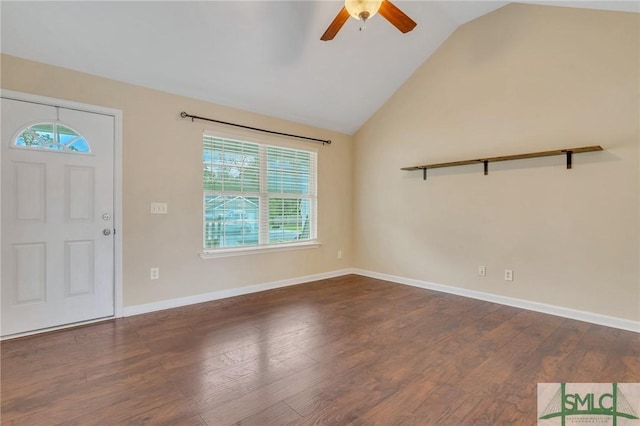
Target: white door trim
x,y
117,176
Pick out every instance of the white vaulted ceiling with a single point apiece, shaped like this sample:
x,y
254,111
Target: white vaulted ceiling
x,y
260,56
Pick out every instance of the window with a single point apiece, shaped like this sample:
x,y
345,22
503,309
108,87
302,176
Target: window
x,y
257,195
52,136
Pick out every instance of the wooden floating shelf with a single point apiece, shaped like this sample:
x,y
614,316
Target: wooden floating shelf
x,y
568,152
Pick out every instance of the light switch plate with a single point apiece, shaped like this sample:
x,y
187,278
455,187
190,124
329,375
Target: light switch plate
x,y
159,208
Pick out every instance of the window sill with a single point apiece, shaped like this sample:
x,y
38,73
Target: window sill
x,y
244,251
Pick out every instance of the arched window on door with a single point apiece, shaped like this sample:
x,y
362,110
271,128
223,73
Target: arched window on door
x,y
52,136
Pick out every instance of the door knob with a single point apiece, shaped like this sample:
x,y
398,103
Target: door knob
x,y
106,231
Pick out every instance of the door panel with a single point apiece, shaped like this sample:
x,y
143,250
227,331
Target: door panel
x,y
79,194
57,262
30,261
30,191
79,268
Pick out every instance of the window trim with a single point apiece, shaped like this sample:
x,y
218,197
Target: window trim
x,y
263,141
249,250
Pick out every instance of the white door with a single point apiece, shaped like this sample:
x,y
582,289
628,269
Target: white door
x,y
57,216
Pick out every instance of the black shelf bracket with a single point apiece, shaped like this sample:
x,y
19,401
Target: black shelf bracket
x,y
569,159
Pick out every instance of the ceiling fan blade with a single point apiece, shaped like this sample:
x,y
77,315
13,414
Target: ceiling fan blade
x,y
397,17
335,26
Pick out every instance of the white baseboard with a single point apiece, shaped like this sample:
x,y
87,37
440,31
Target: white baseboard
x,y
223,294
560,311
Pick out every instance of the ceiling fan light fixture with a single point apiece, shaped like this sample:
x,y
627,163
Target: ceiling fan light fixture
x,y
362,9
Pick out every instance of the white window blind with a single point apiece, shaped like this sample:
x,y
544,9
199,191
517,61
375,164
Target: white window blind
x,y
257,195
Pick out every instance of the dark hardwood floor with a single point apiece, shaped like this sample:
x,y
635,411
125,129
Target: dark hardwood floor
x,y
347,350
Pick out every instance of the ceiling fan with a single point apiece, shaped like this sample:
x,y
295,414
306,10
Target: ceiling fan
x,y
365,9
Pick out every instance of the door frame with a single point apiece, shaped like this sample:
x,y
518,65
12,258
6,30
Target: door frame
x,y
117,188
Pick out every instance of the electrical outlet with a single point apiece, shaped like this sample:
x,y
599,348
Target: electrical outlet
x,y
482,271
339,254
508,275
154,273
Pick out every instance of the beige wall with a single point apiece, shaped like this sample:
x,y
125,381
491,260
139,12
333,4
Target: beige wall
x,y
162,161
522,79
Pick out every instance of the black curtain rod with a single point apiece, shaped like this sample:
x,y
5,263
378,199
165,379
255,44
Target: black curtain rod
x,y
195,117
